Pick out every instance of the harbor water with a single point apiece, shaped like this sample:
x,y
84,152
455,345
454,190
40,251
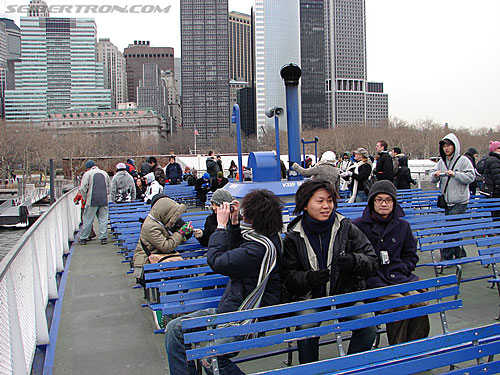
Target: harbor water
x,y
8,238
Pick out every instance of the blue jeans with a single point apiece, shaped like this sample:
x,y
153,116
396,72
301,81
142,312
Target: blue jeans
x,y
457,251
361,340
89,214
176,349
361,197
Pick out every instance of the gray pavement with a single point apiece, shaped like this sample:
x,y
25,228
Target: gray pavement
x,y
104,330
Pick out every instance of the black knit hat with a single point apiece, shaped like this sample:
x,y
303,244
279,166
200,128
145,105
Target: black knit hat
x,y
382,187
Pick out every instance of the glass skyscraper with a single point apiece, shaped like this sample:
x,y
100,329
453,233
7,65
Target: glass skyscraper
x,y
205,68
58,69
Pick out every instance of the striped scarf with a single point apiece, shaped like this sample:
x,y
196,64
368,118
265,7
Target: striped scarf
x,y
254,299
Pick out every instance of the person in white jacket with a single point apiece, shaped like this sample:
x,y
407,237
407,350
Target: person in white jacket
x,y
153,188
122,185
454,173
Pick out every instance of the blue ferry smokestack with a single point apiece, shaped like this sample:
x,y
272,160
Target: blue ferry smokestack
x,y
291,74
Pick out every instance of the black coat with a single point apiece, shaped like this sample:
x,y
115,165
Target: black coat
x,y
215,184
212,166
201,190
210,227
490,169
231,255
403,179
295,265
384,169
470,155
398,240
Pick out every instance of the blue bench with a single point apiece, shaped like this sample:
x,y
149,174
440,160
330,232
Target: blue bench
x,y
449,349
272,320
490,257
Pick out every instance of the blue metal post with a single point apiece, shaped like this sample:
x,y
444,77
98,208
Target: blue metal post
x,y
303,153
278,155
235,119
291,74
316,139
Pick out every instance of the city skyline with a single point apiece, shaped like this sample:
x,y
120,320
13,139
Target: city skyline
x,y
437,59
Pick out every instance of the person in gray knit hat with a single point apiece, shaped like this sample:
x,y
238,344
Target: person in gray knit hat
x,y
218,198
383,224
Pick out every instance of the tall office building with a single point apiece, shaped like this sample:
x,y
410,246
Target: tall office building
x,y
140,53
350,99
3,67
312,53
240,47
58,69
151,91
115,76
173,98
274,48
13,49
241,67
205,68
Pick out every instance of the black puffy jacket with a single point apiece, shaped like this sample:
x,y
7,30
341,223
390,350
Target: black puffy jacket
x,y
231,255
490,169
295,265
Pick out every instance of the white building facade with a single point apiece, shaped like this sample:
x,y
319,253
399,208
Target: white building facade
x,y
115,74
277,43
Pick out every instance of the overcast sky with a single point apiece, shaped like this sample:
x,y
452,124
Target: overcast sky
x,y
438,59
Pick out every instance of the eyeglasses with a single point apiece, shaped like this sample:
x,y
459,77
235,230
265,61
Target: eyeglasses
x,y
379,200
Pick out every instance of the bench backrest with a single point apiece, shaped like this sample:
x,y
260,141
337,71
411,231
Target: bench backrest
x,y
416,356
282,316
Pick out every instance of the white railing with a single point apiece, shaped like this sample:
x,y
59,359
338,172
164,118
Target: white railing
x,y
28,281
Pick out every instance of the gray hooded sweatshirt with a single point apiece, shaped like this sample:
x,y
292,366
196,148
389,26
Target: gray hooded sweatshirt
x,y
458,187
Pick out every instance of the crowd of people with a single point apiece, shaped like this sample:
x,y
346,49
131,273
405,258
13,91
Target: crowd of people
x,y
322,254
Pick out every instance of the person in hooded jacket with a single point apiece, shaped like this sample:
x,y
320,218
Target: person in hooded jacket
x,y
383,224
153,187
324,254
122,185
161,232
472,154
403,178
490,168
240,256
454,173
202,187
325,169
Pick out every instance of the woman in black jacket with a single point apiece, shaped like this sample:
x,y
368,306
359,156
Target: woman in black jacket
x,y
403,176
335,259
359,174
489,167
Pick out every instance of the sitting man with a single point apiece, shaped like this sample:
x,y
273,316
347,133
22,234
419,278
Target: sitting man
x,y
218,182
202,187
391,236
239,256
324,254
218,198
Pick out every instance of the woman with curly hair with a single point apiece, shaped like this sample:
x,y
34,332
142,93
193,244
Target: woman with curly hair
x,y
239,253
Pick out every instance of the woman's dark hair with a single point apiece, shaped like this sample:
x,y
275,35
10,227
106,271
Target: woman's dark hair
x,y
262,209
307,190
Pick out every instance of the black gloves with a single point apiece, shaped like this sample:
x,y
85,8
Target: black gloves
x,y
346,261
317,278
